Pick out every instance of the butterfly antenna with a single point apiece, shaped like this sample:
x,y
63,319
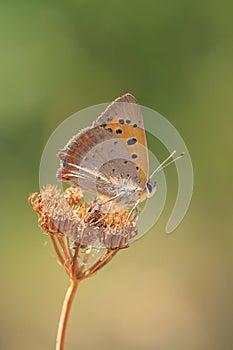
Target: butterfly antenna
x,y
166,162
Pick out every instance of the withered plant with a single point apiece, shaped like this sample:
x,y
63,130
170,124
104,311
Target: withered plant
x,y
84,236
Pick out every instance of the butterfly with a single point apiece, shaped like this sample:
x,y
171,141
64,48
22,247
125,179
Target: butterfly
x,y
110,158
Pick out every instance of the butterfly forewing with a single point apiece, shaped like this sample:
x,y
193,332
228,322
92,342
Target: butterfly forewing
x,y
124,119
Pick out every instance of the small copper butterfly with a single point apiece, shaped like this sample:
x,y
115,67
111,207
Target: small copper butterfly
x,y
110,158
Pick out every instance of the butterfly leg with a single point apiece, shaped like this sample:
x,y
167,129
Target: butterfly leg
x,y
105,215
111,199
99,205
135,207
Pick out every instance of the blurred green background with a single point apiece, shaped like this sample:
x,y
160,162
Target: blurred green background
x,y
57,57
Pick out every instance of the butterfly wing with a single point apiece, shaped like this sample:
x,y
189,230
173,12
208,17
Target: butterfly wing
x,y
98,157
84,156
123,116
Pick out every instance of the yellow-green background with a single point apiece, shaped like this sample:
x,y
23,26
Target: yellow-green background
x,y
57,57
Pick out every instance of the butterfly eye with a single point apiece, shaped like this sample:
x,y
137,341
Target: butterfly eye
x,y
151,188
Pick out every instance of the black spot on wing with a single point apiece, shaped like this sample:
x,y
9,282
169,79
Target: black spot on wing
x,y
132,141
134,156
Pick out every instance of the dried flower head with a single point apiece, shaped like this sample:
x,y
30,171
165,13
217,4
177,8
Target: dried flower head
x,y
87,224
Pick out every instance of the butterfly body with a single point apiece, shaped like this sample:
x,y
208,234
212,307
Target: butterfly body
x,y
110,158
126,193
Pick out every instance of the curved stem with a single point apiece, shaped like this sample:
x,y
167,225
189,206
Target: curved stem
x,y
62,326
104,257
59,255
75,261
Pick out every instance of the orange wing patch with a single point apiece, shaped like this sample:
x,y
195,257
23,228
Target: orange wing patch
x,y
134,139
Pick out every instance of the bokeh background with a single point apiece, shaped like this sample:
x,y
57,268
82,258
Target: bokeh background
x,y
57,57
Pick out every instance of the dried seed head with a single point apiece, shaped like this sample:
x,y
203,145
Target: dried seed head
x,y
86,223
73,196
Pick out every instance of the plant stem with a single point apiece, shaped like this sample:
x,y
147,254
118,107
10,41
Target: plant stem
x,y
62,326
60,257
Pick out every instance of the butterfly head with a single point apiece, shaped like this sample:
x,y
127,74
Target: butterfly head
x,y
151,188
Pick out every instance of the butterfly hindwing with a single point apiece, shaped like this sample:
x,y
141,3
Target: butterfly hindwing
x,y
84,155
